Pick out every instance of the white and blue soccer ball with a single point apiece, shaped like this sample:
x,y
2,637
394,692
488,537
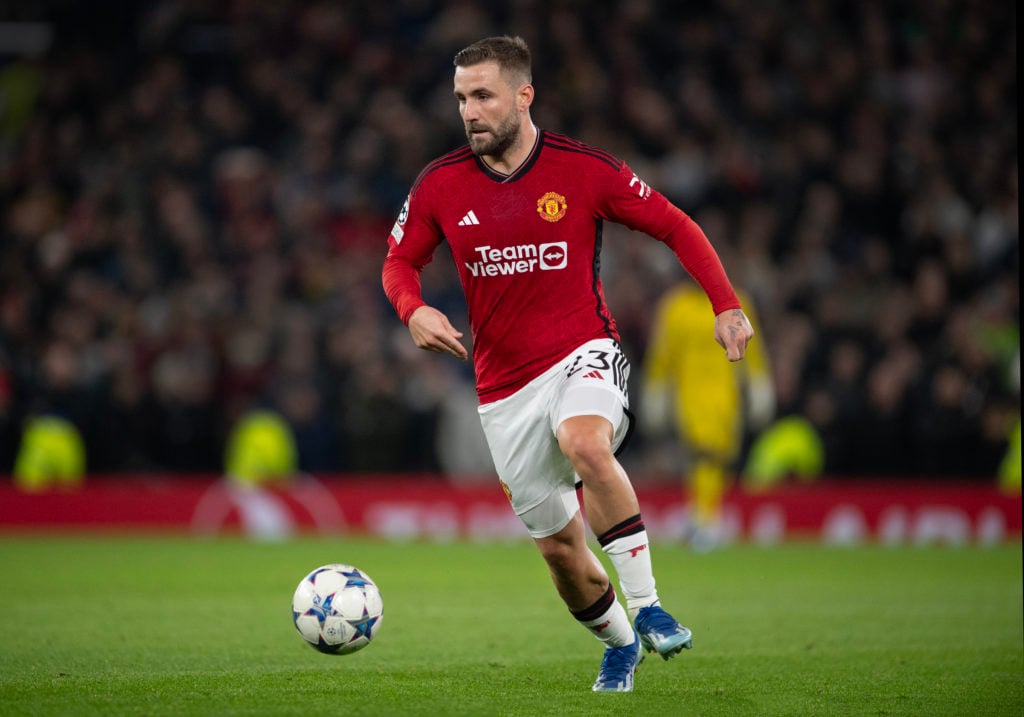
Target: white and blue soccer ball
x,y
337,609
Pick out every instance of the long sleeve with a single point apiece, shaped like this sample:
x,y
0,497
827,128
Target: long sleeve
x,y
401,281
700,260
624,198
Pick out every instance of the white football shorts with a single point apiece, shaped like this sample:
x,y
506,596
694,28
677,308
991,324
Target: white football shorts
x,y
537,477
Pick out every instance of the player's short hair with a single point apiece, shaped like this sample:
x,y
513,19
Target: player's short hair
x,y
511,53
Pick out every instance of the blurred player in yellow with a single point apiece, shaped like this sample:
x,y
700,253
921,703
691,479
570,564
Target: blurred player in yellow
x,y
685,381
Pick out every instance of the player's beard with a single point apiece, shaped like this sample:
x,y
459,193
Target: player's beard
x,y
499,140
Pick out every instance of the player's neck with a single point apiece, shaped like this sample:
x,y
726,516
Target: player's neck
x,y
518,153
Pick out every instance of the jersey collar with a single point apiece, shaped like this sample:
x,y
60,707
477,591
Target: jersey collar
x,y
519,171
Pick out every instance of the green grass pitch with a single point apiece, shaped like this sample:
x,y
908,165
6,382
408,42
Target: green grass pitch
x,y
176,626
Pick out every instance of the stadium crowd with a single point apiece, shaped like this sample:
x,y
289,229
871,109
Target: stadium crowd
x,y
196,198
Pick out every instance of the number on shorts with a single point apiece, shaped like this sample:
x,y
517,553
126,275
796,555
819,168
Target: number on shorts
x,y
595,359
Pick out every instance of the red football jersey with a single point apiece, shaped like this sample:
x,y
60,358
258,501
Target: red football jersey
x,y
528,247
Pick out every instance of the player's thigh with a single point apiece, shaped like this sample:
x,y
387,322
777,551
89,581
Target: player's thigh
x,y
595,385
537,478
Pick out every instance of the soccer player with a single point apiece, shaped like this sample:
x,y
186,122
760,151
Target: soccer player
x,y
522,210
686,385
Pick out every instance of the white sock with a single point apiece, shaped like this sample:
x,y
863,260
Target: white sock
x,y
627,546
607,621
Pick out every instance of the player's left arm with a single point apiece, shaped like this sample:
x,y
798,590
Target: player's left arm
x,y
733,332
630,201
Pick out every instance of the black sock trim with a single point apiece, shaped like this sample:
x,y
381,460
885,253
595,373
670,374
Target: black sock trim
x,y
630,526
598,609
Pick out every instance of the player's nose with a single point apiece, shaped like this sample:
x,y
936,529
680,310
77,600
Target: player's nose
x,y
470,111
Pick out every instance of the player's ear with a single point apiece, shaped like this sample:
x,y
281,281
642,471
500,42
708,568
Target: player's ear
x,y
524,97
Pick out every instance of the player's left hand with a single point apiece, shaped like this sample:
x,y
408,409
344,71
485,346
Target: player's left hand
x,y
733,332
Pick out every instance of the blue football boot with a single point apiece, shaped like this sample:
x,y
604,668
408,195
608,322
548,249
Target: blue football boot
x,y
618,666
659,632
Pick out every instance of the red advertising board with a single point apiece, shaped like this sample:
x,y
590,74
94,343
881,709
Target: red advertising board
x,y
412,507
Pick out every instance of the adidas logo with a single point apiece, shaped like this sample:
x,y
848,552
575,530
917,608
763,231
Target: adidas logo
x,y
469,220
594,374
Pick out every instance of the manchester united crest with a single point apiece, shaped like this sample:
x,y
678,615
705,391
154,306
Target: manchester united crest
x,y
551,207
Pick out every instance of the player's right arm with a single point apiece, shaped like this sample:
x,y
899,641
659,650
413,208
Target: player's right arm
x,y
411,247
432,331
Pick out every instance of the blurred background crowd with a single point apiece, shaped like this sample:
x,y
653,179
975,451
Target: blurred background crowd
x,y
195,199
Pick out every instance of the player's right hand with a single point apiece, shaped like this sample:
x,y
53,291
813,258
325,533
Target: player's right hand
x,y
432,331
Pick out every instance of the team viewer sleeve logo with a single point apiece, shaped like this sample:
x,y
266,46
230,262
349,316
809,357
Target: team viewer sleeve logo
x,y
551,207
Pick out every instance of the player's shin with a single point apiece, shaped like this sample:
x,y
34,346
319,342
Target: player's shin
x,y
627,546
607,620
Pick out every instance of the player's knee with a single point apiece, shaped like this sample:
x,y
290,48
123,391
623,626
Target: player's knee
x,y
561,556
556,554
587,450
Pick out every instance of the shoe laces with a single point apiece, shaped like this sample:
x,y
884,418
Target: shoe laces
x,y
655,619
618,659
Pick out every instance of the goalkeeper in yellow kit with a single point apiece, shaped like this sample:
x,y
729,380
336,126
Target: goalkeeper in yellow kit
x,y
686,380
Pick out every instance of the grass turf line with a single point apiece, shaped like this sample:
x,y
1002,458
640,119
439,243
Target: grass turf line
x,y
174,626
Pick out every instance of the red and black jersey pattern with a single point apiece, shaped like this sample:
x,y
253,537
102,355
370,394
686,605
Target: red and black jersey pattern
x,y
527,247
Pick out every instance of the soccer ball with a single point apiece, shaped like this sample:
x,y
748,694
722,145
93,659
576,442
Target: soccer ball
x,y
337,609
